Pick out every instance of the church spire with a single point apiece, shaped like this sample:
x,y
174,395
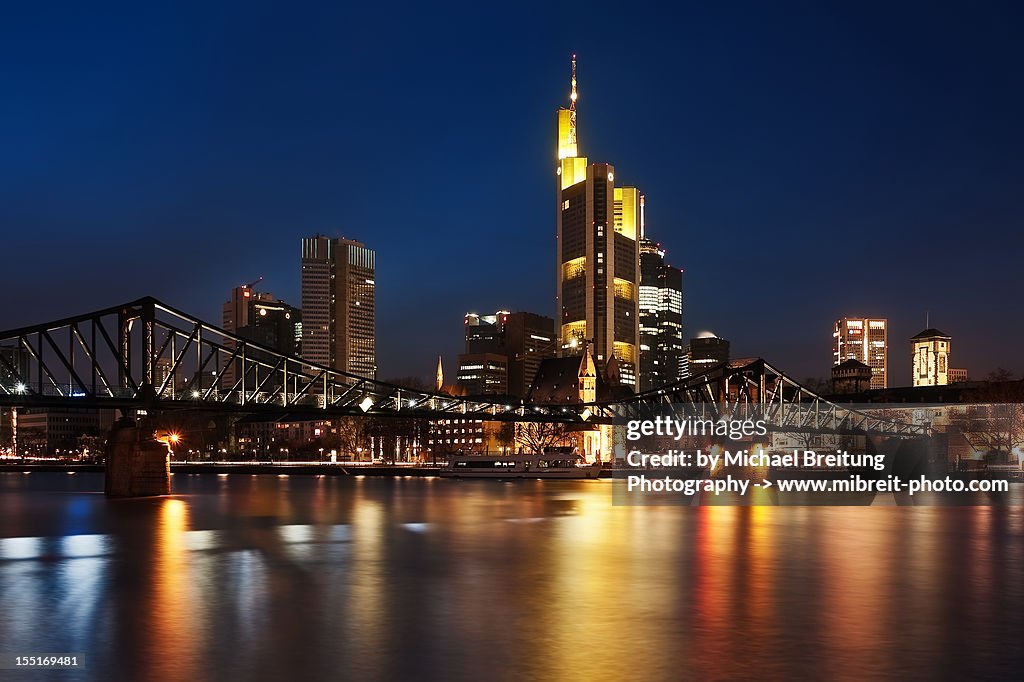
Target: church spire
x,y
440,374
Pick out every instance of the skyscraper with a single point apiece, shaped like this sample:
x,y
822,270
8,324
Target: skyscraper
x,y
863,339
704,352
259,317
661,317
597,278
338,305
522,339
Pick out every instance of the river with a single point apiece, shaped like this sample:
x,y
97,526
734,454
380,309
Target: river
x,y
302,578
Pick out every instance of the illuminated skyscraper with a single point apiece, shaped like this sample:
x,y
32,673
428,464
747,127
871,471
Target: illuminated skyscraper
x,y
863,339
338,302
661,317
597,226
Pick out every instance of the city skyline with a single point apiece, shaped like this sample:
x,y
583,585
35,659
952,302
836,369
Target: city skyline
x,y
101,215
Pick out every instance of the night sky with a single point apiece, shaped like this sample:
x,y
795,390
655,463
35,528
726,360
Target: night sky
x,y
800,162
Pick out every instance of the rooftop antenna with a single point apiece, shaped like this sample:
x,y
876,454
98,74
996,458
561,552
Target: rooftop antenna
x,y
573,96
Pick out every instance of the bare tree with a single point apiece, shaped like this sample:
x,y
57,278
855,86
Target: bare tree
x,y
539,436
994,419
353,439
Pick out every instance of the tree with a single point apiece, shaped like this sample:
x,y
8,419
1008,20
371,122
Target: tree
x,y
818,385
352,437
994,419
999,374
506,435
539,436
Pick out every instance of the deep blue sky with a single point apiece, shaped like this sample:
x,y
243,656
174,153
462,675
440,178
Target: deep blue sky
x,y
800,161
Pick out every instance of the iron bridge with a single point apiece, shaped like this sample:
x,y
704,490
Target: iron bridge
x,y
146,355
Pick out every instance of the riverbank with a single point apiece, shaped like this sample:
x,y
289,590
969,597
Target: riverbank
x,y
253,468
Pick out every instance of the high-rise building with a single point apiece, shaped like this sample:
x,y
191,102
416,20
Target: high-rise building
x,y
704,352
597,227
483,373
661,316
931,357
338,305
259,317
863,339
485,333
523,339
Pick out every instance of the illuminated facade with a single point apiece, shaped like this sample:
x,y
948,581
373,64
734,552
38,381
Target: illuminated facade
x,y
863,339
598,264
931,358
661,318
338,305
483,373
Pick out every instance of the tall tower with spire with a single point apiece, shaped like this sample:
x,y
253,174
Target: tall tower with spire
x,y
597,258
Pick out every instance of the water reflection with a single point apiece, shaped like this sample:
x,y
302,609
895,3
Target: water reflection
x,y
304,578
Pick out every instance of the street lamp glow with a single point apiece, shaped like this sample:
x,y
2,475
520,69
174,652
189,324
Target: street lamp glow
x,y
20,388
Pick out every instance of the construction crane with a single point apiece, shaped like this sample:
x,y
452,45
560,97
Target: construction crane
x,y
252,284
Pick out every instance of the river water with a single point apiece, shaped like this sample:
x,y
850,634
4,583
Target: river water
x,y
299,578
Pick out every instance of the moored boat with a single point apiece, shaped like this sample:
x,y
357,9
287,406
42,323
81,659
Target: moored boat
x,y
540,465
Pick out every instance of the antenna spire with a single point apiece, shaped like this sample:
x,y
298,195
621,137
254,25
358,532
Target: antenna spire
x,y
572,105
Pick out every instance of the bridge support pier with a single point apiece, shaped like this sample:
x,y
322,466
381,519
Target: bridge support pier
x,y
137,464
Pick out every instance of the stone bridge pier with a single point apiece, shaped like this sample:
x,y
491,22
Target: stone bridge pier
x,y
138,465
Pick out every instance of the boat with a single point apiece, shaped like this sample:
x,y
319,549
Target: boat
x,y
539,465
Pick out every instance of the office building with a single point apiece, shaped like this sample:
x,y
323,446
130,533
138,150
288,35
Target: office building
x,y
261,318
597,275
705,352
523,339
483,373
866,340
661,316
957,375
338,305
49,431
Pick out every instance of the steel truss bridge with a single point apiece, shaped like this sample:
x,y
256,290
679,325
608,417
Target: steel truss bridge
x,y
146,355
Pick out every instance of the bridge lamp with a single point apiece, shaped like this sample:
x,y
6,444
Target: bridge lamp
x,y
366,404
20,388
195,394
174,438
